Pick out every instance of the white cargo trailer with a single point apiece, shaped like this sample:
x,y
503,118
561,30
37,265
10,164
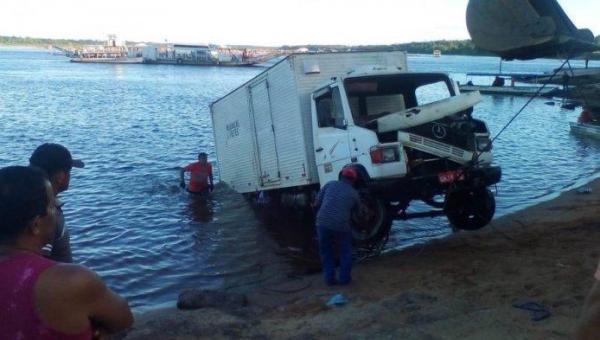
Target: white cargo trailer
x,y
291,129
263,129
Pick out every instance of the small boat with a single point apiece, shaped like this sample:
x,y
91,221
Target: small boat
x,y
571,77
499,87
437,53
586,129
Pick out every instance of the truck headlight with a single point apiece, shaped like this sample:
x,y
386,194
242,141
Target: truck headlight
x,y
387,154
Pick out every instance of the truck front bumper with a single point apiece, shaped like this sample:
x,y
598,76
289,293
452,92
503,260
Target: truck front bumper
x,y
423,187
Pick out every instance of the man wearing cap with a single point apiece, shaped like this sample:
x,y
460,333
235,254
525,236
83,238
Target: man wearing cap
x,y
589,323
57,162
335,203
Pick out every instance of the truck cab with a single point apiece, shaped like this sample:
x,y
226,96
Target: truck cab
x,y
410,136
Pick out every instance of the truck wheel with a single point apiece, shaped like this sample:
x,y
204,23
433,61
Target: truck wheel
x,y
372,222
470,209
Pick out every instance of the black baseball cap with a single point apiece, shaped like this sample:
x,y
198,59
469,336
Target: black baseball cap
x,y
52,158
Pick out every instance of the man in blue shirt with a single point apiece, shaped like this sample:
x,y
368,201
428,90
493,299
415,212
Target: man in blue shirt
x,y
335,203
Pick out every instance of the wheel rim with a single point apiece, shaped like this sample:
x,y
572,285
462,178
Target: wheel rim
x,y
368,220
470,209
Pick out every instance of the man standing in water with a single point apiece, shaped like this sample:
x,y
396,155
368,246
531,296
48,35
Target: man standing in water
x,y
57,162
335,203
201,177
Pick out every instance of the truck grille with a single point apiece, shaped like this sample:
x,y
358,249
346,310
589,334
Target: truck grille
x,y
431,146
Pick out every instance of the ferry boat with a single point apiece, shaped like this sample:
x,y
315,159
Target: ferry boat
x,y
437,53
200,55
111,53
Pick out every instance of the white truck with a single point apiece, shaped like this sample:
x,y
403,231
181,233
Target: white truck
x,y
411,136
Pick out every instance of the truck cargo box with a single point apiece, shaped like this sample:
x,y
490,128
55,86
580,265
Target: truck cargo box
x,y
263,129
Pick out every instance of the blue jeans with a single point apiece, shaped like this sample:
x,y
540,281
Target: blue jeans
x,y
344,241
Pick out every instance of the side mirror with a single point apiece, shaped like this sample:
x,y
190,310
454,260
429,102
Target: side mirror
x,y
341,123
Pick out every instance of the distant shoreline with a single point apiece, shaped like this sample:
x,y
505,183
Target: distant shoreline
x,y
446,47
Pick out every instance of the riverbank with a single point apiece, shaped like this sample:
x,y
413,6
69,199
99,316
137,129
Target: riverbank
x,y
462,286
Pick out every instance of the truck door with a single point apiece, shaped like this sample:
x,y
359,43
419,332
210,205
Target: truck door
x,y
332,150
267,157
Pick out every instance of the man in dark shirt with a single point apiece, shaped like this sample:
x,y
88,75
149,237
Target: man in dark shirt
x,y
335,203
57,162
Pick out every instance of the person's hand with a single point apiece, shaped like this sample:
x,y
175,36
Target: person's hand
x,y
182,184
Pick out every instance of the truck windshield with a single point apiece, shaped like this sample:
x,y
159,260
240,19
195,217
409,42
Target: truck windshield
x,y
371,97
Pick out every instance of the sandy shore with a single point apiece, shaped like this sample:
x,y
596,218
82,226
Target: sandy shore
x,y
463,286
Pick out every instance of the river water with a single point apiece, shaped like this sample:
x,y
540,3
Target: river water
x,y
134,125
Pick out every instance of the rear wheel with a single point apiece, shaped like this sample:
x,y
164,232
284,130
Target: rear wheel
x,y
470,209
372,222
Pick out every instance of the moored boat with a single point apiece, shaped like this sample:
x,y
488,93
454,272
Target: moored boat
x,y
499,86
587,129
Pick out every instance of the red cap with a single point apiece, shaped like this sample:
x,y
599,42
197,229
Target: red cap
x,y
349,173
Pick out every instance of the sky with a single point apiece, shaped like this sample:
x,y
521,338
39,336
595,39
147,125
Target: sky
x,y
254,22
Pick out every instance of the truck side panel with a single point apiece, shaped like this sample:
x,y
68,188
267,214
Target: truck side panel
x,y
290,135
266,148
270,151
234,140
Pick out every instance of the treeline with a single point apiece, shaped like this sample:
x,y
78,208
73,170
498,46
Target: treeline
x,y
446,47
456,47
44,42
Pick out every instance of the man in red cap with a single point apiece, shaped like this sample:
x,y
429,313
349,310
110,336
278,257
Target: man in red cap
x,y
56,161
335,203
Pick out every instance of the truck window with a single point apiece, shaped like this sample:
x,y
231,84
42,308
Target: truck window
x,y
433,92
330,112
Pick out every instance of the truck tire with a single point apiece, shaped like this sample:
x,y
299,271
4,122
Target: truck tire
x,y
372,223
470,209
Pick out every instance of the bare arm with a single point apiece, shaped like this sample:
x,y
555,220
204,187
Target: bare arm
x,y
104,307
181,173
71,297
319,199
